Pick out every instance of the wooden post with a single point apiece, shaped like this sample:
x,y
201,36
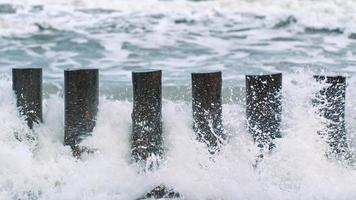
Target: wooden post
x,y
161,192
331,103
207,109
146,115
264,108
27,85
81,105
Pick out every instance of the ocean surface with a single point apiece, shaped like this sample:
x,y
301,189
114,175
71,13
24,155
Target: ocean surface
x,y
299,38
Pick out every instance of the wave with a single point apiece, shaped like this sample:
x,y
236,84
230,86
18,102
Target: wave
x,y
298,168
323,30
310,14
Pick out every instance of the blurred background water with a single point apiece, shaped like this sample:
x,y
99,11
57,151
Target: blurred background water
x,y
178,36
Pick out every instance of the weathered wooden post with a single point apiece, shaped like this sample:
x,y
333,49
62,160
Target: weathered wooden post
x,y
147,125
331,103
146,138
146,115
207,109
264,108
27,85
81,105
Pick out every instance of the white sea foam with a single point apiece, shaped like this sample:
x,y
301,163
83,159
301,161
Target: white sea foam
x,y
320,14
297,169
179,36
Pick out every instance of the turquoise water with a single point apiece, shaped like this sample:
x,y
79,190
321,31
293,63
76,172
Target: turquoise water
x,y
179,37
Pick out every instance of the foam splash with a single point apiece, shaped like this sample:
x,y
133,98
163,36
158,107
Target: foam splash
x,y
298,168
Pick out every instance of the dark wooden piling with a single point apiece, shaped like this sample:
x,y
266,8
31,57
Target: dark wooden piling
x,y
81,105
264,108
161,192
27,85
207,109
146,115
331,103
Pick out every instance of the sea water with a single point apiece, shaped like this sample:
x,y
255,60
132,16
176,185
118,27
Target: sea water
x,y
299,38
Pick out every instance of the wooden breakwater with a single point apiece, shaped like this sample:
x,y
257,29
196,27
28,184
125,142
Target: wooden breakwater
x,y
263,107
263,110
